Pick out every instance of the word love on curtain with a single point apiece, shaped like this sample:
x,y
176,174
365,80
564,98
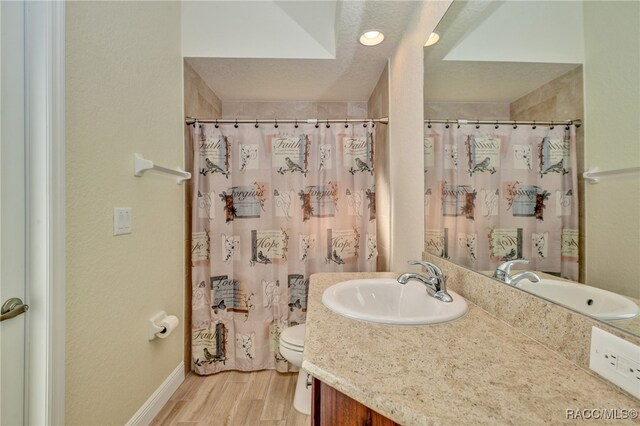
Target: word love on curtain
x,y
272,205
493,195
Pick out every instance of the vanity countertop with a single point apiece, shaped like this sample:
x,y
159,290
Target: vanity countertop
x,y
474,370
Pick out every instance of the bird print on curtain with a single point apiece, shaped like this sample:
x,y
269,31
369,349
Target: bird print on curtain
x,y
272,205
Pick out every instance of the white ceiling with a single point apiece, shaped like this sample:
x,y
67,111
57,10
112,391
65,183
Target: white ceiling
x,y
259,29
495,51
284,51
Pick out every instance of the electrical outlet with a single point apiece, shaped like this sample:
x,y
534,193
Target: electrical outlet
x,y
121,220
616,360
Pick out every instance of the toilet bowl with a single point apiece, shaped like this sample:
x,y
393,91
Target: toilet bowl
x,y
291,347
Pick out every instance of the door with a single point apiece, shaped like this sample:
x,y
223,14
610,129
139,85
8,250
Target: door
x,y
13,247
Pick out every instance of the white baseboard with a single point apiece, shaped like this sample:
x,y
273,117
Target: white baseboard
x,y
159,398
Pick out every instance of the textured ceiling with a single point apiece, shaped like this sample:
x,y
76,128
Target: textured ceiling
x,y
351,76
487,81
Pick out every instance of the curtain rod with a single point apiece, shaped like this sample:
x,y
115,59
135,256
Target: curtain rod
x,y
576,122
191,120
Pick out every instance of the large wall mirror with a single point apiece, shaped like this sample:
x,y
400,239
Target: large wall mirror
x,y
522,98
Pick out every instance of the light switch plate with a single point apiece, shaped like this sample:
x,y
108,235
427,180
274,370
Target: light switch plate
x,y
616,360
121,220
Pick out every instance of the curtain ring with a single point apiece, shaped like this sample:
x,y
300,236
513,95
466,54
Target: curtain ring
x,y
477,124
346,123
428,124
236,125
328,125
552,126
364,124
497,126
276,124
515,126
296,124
373,124
257,125
217,123
446,126
534,125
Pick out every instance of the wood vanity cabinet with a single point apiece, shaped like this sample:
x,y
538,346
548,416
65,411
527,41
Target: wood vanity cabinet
x,y
332,408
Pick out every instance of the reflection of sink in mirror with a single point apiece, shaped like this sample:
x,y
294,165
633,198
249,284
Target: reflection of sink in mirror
x,y
386,301
592,301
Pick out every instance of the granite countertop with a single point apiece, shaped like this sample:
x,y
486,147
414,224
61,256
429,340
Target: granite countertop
x,y
474,370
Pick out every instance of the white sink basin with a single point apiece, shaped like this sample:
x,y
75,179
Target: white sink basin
x,y
598,303
386,301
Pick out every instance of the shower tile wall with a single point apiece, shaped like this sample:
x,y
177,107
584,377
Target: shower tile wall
x,y
201,102
467,110
561,98
378,106
298,109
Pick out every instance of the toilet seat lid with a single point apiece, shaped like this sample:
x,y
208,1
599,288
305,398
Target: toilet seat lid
x,y
293,335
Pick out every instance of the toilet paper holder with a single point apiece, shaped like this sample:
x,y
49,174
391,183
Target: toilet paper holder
x,y
154,328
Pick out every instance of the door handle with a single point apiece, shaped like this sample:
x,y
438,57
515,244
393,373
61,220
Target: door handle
x,y
12,308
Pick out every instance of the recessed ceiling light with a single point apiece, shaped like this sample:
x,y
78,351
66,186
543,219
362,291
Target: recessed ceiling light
x,y
433,39
371,38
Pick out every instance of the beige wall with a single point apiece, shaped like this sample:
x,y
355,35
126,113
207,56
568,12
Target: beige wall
x,y
378,106
199,102
612,135
123,95
406,137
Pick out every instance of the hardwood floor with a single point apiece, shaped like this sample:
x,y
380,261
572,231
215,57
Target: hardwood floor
x,y
257,398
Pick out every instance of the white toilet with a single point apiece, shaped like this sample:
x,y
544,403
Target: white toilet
x,y
291,346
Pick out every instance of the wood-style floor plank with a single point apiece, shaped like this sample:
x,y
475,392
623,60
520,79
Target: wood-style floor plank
x,y
259,386
248,413
201,397
169,412
258,398
240,376
275,405
226,403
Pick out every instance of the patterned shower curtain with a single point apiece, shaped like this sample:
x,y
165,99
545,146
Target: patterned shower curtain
x,y
497,194
272,205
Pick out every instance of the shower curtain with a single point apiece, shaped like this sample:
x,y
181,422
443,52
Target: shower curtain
x,y
272,205
497,193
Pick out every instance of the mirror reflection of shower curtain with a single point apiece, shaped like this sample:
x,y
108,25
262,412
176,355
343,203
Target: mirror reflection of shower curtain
x,y
493,195
271,206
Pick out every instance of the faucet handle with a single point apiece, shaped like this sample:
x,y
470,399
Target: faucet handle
x,y
418,262
430,267
506,266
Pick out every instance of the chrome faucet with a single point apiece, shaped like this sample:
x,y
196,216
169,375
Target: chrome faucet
x,y
503,273
436,283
